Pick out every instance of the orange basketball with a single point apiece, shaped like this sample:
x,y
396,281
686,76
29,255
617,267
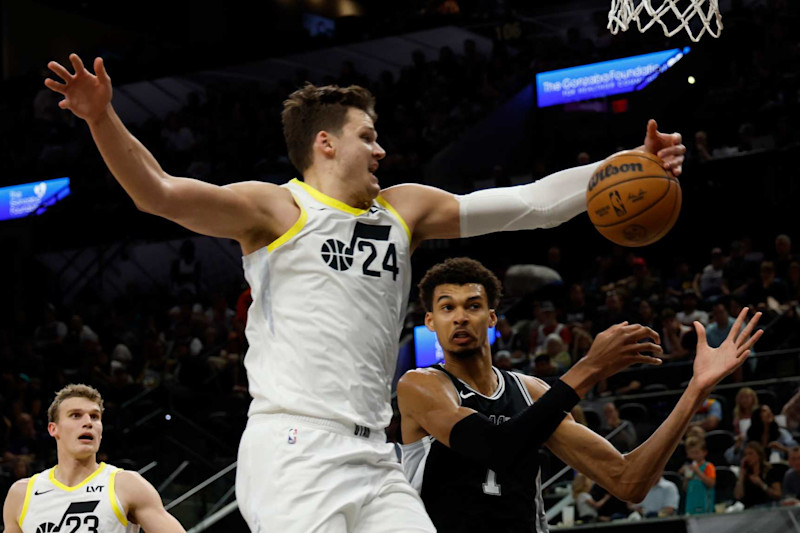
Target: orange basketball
x,y
632,200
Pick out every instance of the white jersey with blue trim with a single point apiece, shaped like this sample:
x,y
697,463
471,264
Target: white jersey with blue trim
x,y
91,506
329,300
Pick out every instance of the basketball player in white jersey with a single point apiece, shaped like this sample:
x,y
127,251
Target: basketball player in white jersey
x,y
471,432
328,260
78,494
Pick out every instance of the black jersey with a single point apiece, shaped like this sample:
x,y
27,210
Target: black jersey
x,y
462,496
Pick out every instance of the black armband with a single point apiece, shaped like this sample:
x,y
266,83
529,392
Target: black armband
x,y
498,446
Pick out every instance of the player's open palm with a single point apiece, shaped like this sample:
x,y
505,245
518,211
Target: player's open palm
x,y
87,95
711,365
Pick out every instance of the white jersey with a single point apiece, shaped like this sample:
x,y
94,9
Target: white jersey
x,y
91,506
329,299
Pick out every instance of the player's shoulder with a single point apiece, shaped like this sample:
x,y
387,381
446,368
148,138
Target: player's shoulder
x,y
126,479
260,189
16,495
419,380
536,387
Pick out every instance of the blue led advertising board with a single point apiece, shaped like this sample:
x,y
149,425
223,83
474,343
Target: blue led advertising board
x,y
607,78
18,201
427,349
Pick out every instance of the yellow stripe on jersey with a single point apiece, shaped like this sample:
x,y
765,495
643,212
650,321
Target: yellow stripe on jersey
x,y
327,200
382,201
291,232
113,496
27,501
61,486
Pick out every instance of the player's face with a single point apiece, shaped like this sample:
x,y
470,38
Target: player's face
x,y
358,153
461,317
79,429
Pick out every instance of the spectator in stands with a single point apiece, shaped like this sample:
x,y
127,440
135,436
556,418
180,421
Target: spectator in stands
x,y
701,152
776,440
642,285
674,336
793,283
612,313
185,272
557,351
708,415
680,281
662,500
791,480
511,342
585,506
783,256
689,312
767,286
718,330
746,405
792,411
700,478
646,316
757,483
736,271
52,331
502,360
710,282
623,440
543,367
578,313
549,324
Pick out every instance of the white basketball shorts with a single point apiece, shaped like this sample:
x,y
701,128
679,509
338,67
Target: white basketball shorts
x,y
304,475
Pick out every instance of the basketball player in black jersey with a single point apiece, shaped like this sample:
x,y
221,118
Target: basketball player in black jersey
x,y
472,431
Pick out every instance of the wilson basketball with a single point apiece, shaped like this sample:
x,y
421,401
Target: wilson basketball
x,y
632,200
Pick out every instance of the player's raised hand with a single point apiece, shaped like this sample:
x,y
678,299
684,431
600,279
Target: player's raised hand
x,y
621,346
87,95
711,365
667,146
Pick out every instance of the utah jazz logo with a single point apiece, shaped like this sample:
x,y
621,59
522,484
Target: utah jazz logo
x,y
339,256
616,203
69,519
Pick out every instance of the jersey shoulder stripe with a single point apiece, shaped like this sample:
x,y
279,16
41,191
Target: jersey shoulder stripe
x,y
294,230
112,495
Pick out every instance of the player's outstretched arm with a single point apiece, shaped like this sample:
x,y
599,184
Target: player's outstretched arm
x,y
144,504
548,202
630,476
242,211
13,506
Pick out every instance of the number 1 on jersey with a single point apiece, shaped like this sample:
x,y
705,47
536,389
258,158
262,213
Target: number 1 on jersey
x,y
491,487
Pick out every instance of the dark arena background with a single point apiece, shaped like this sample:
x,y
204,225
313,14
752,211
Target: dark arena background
x,y
96,291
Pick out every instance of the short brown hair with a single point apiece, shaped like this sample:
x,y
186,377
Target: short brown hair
x,y
695,442
73,390
459,271
312,109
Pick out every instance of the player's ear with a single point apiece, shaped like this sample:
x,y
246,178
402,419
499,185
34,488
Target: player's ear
x,y
492,318
429,321
325,143
52,429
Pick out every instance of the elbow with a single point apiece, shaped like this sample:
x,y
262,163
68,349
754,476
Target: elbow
x,y
635,494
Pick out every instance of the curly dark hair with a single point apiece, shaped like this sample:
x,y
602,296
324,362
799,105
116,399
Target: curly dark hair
x,y
312,109
459,271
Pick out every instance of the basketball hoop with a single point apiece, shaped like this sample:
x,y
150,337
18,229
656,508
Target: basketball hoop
x,y
698,18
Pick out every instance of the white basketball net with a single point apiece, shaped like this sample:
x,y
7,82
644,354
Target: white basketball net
x,y
699,17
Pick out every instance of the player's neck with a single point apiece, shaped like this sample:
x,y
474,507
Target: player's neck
x,y
475,371
72,470
324,181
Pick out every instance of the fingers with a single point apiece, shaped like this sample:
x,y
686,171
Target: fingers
x,y
652,128
749,329
639,347
63,104
701,334
737,326
77,63
100,69
751,342
637,332
53,85
646,360
59,70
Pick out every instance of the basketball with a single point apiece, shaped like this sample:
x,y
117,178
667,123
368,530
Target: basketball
x,y
632,200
